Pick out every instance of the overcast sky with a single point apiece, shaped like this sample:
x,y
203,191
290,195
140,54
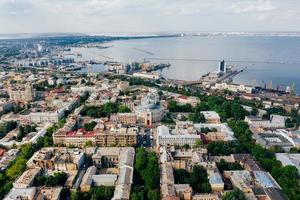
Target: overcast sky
x,y
128,16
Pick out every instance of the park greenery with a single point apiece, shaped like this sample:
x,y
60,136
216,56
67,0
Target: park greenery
x,y
58,179
167,119
24,130
225,108
6,127
196,117
16,168
146,176
198,178
89,126
96,193
223,165
104,110
174,107
235,194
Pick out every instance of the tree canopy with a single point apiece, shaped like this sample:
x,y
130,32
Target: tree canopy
x,y
146,176
235,194
103,111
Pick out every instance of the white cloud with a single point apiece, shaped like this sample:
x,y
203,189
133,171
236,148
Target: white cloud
x,y
147,15
251,6
14,7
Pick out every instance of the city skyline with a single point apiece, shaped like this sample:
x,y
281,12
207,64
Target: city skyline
x,y
127,16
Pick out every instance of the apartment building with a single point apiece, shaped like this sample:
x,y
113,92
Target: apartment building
x,y
21,93
113,137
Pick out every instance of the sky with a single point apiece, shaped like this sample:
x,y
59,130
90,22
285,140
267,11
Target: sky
x,y
147,16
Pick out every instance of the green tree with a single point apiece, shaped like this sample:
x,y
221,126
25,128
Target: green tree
x,y
141,159
223,165
123,109
236,194
137,196
186,146
90,126
153,195
16,169
199,180
151,174
198,143
181,176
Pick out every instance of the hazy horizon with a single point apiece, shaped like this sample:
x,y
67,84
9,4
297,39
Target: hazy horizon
x,y
148,16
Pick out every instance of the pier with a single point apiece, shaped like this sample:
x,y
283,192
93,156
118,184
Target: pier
x,y
209,78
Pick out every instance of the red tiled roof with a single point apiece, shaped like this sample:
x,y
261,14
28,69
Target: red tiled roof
x,y
58,90
183,97
2,151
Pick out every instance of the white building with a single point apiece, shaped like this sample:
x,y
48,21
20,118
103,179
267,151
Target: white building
x,y
145,75
289,159
150,110
276,121
265,180
233,87
221,129
118,68
181,100
164,137
45,117
211,117
27,193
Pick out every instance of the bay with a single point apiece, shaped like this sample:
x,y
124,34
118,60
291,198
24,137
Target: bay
x,y
274,59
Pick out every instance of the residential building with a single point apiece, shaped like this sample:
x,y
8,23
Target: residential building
x,y
26,193
98,137
45,117
241,179
21,93
27,178
218,132
181,100
146,75
234,87
49,193
216,182
57,159
126,118
165,138
289,159
206,197
276,121
87,179
211,117
184,191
